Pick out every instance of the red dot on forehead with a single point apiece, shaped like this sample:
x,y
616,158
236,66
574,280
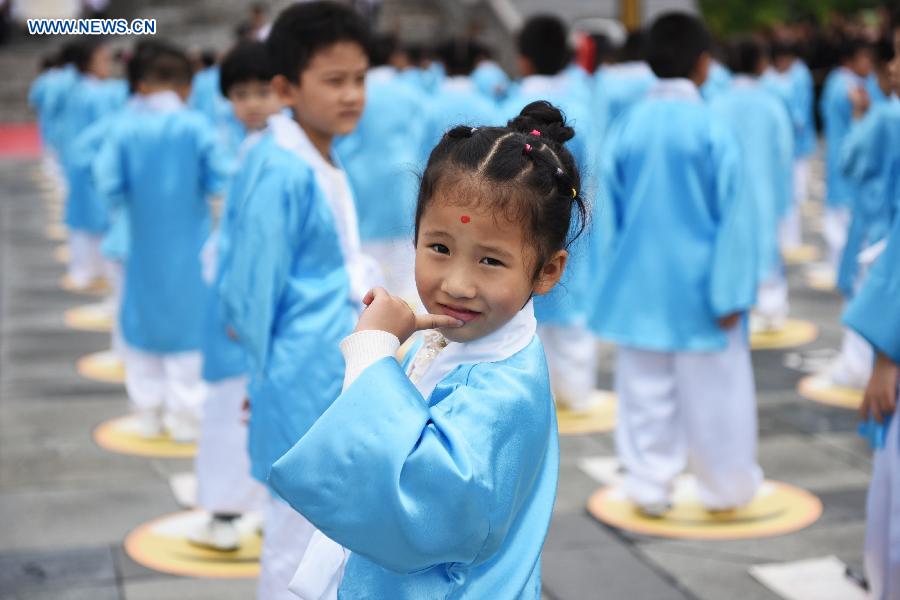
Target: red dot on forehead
x,y
465,219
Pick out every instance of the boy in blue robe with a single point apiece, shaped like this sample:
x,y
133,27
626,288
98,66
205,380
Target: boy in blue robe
x,y
619,86
225,488
490,79
766,138
161,168
544,55
681,274
381,159
457,447
93,97
836,107
286,287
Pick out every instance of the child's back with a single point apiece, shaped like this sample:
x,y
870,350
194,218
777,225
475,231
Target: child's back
x,y
682,249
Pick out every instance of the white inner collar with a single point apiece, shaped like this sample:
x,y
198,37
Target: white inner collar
x,y
675,89
162,101
494,347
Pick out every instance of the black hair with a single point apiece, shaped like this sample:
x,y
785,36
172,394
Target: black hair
x,y
533,178
49,61
544,40
458,56
382,48
71,53
167,65
208,57
780,48
86,55
850,47
744,55
884,52
634,47
136,64
243,63
303,29
675,43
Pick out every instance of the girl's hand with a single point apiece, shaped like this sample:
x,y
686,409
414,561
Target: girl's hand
x,y
729,321
880,398
385,312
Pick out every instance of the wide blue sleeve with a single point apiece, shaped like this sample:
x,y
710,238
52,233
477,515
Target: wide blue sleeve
x,y
214,163
733,274
874,312
409,485
110,171
784,147
862,159
262,243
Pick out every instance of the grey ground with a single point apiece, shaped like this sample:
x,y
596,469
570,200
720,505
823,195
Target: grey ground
x,y
66,505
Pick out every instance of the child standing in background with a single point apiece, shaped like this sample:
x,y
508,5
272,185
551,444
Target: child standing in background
x,y
163,168
681,277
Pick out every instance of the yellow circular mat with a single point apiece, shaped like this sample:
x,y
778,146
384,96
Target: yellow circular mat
x,y
801,254
820,389
55,232
162,545
61,254
102,366
600,417
121,435
98,287
91,317
778,508
795,333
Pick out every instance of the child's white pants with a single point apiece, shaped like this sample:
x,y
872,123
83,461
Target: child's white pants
x,y
287,534
688,410
572,359
115,272
882,546
772,296
835,223
169,383
224,483
86,262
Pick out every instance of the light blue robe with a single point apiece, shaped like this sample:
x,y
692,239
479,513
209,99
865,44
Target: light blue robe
x,y
875,311
206,97
876,94
765,134
449,497
491,81
684,250
803,94
870,152
566,304
161,167
617,88
717,81
87,102
381,156
457,102
47,97
837,115
285,291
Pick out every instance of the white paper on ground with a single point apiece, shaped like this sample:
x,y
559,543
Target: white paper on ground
x,y
812,579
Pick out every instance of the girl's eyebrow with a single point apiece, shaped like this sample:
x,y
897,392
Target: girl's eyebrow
x,y
436,233
495,250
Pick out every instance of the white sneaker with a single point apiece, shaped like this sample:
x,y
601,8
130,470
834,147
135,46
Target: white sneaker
x,y
216,534
149,423
653,510
182,430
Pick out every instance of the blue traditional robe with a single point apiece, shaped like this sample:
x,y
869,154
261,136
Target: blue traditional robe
x,y
617,88
491,81
285,292
837,115
457,103
161,167
718,80
870,153
683,252
765,134
441,494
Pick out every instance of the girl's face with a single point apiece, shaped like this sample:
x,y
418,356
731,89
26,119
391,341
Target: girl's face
x,y
477,267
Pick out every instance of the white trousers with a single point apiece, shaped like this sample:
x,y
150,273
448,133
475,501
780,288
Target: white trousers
x,y
572,360
86,262
115,272
397,258
224,483
853,365
801,180
688,410
287,534
170,384
835,223
772,297
882,546
790,230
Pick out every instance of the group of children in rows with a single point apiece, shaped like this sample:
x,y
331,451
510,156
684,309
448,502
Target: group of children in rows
x,y
640,204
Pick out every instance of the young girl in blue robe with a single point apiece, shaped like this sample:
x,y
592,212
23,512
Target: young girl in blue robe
x,y
457,447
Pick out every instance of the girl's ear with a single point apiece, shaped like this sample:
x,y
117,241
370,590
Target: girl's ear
x,y
550,273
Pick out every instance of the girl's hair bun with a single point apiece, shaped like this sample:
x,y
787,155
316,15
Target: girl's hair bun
x,y
546,118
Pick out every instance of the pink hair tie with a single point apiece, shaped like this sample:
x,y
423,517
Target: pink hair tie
x,y
527,149
535,132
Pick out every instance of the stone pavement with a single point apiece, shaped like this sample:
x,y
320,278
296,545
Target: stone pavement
x,y
66,505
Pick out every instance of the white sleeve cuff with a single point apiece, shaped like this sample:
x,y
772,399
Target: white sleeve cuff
x,y
363,348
